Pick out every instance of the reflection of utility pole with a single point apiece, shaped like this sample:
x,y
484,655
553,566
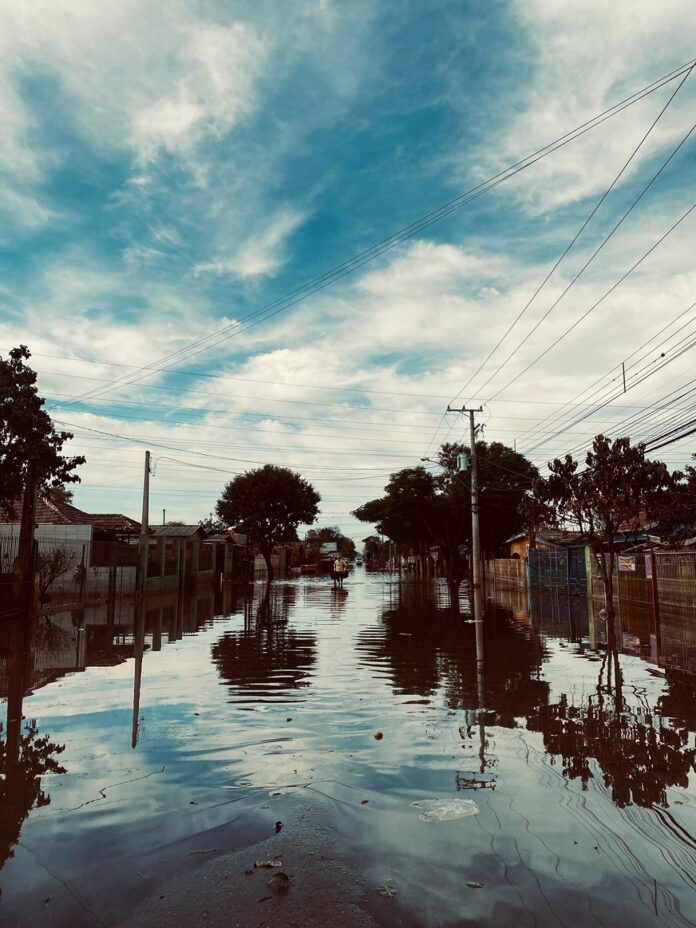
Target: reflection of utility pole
x,y
475,534
139,606
481,692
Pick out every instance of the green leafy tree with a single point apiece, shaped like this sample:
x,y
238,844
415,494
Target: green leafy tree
x,y
316,537
61,495
31,457
504,477
30,447
267,504
420,508
616,491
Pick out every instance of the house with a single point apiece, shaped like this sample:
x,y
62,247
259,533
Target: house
x,y
178,551
60,524
230,557
519,544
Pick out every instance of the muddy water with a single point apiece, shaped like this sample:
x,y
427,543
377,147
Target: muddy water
x,y
149,757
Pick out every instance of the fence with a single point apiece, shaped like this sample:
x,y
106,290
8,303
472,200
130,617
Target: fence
x,y
654,597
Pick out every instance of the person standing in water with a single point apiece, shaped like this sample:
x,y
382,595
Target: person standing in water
x,y
340,569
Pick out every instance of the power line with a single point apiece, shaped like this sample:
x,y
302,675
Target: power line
x,y
591,309
555,418
384,245
572,243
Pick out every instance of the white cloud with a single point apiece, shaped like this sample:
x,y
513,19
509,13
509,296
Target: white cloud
x,y
262,253
586,56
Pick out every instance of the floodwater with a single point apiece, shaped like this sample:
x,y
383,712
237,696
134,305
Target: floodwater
x,y
154,769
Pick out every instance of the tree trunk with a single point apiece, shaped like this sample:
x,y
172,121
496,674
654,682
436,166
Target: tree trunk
x,y
267,556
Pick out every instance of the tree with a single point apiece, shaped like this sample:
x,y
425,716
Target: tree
x,y
61,495
419,507
316,537
213,525
267,504
53,564
31,456
617,491
30,447
504,477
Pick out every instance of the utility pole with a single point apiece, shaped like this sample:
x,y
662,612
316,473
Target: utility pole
x,y
476,589
144,525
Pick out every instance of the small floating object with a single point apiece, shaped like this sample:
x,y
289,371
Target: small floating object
x,y
378,735
280,881
445,810
273,862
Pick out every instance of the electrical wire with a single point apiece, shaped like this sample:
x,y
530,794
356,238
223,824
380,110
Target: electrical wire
x,y
347,267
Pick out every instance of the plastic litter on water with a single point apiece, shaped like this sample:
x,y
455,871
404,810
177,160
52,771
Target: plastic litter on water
x,y
445,810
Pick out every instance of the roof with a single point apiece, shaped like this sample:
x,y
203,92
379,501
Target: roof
x,y
177,531
49,512
551,537
114,522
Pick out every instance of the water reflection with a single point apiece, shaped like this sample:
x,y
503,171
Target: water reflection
x,y
572,754
267,657
638,753
427,649
26,755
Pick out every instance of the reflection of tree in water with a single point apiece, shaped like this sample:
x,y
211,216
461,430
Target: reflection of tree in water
x,y
638,758
25,755
20,782
266,650
429,648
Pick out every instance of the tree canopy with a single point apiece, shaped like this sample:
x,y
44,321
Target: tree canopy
x,y
316,537
618,490
30,447
267,504
419,507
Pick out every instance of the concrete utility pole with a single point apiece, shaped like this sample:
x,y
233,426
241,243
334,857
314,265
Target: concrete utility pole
x,y
144,525
476,588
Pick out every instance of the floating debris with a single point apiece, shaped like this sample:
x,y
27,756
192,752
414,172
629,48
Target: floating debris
x,y
445,810
273,862
388,891
279,882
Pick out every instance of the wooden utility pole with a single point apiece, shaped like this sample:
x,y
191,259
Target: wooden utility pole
x,y
476,589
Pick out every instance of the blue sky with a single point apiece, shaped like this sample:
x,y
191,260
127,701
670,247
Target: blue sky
x,y
162,177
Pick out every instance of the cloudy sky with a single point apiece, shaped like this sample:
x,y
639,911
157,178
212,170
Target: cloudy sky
x,y
165,178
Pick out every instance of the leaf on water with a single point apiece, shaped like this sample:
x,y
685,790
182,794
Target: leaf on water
x,y
388,891
273,862
280,881
445,810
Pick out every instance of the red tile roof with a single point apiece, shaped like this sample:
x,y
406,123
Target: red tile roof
x,y
54,512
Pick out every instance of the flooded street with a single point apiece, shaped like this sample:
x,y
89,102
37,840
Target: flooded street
x,y
149,787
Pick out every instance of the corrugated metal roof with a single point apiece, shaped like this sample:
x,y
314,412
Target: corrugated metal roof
x,y
177,531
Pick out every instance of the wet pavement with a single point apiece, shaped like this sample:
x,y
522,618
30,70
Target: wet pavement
x,y
146,786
